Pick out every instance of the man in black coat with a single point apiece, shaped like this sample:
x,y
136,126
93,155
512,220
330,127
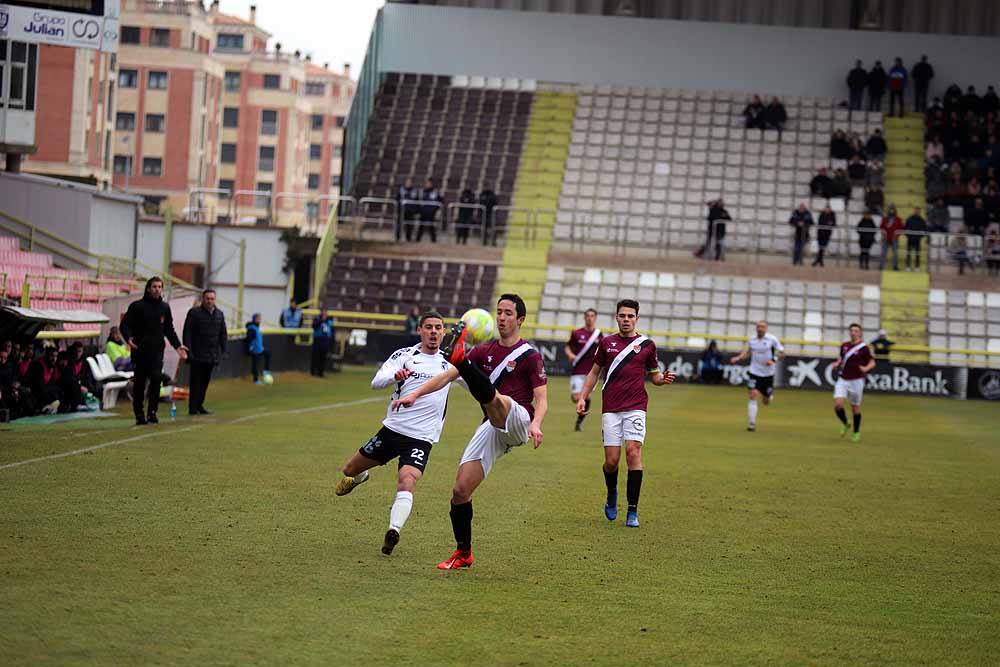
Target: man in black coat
x,y
857,81
146,323
922,74
205,336
877,79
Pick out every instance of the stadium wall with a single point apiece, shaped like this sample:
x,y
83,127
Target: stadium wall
x,y
662,53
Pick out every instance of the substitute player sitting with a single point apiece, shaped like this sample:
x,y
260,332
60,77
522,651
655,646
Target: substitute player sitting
x,y
765,351
507,377
855,362
407,435
628,356
581,349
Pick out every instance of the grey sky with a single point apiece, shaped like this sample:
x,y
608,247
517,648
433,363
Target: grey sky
x,y
334,31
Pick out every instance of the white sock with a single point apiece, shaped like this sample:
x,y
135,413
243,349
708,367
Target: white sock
x,y
752,412
361,476
400,510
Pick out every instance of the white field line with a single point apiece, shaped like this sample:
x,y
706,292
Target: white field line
x,y
239,420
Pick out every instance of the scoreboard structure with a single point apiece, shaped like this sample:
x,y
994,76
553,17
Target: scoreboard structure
x,y
82,24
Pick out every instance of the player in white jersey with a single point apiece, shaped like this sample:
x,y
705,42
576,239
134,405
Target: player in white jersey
x,y
765,351
407,435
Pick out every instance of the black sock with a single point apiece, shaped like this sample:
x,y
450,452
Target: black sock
x,y
611,480
461,525
841,415
479,385
580,418
857,423
632,488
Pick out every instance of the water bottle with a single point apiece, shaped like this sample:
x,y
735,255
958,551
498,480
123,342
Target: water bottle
x,y
173,410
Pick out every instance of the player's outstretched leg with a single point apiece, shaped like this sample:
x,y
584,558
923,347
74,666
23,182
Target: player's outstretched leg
x,y
610,469
470,475
633,456
355,473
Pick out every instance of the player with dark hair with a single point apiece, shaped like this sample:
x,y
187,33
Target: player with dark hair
x,y
628,356
507,377
581,349
854,363
765,351
407,435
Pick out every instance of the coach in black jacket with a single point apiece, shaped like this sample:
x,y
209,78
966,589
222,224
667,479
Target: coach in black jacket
x,y
205,336
147,321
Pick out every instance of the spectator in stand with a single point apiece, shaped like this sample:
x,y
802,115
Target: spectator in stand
x,y
801,220
259,355
466,216
323,338
840,147
430,202
824,230
841,186
891,227
406,213
876,86
205,335
960,250
857,147
956,192
977,219
874,199
13,398
821,185
974,189
952,98
26,355
716,211
922,73
488,200
775,116
990,103
970,101
874,176
866,239
710,364
876,147
938,217
118,350
935,110
857,81
992,251
413,326
43,379
74,378
291,317
916,229
882,345
856,170
754,114
897,86
9,359
935,148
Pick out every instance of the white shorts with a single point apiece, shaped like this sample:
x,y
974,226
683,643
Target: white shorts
x,y
852,390
576,383
621,426
489,443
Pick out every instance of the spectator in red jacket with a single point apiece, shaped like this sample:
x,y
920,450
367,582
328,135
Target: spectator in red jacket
x,y
891,227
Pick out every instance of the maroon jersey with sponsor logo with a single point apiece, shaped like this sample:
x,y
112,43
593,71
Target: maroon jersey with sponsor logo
x,y
625,385
577,340
519,377
851,369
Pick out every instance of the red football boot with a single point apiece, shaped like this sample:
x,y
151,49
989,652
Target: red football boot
x,y
457,560
453,345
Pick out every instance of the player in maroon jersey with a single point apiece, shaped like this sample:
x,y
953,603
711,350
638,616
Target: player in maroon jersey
x,y
855,362
507,377
581,349
628,356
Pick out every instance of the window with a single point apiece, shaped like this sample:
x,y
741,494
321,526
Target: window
x,y
232,81
338,151
227,154
269,122
129,34
314,181
230,117
317,121
272,81
312,211
340,121
157,80
128,78
159,37
22,72
152,166
263,201
229,41
155,122
315,151
266,159
315,88
227,184
121,164
125,120
335,181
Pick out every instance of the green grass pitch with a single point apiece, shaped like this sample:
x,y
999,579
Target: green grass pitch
x,y
220,541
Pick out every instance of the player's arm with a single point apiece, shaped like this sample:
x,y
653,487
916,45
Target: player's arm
x,y
439,381
741,356
660,378
588,388
569,353
391,372
540,401
867,368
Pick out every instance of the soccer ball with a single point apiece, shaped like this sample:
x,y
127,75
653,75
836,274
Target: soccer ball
x,y
480,326
267,378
